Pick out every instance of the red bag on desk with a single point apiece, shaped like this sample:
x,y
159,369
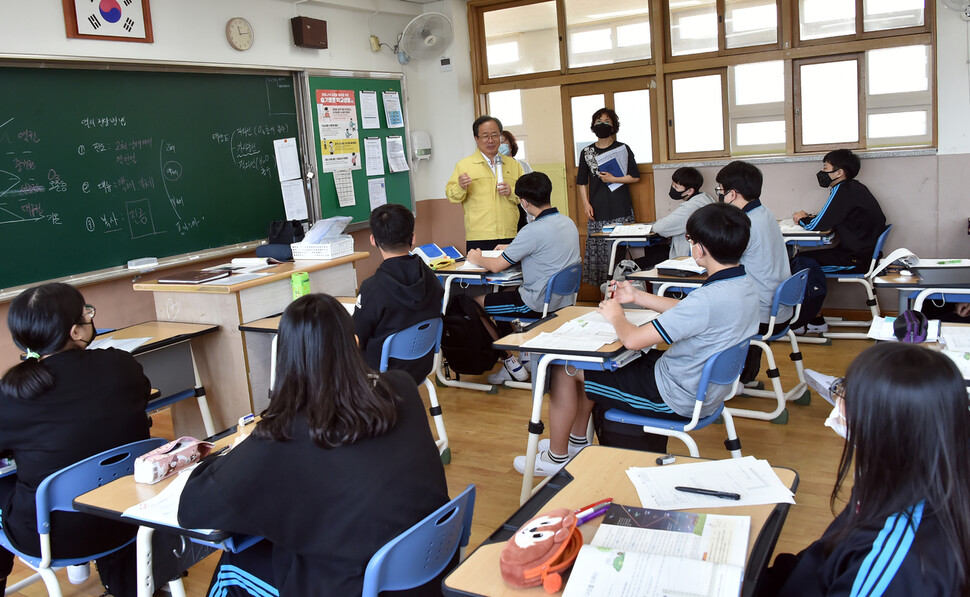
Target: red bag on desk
x,y
543,548
168,459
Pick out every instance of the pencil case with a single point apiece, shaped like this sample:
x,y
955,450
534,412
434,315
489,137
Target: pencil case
x,y
168,459
541,551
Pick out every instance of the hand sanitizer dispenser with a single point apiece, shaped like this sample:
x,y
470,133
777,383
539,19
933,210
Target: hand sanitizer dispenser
x,y
420,145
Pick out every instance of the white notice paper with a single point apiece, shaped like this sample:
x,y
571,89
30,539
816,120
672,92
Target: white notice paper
x,y
294,199
374,156
344,182
392,110
126,344
376,192
163,508
369,118
395,155
287,158
956,337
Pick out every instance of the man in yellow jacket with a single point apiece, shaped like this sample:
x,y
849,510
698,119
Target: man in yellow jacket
x,y
483,184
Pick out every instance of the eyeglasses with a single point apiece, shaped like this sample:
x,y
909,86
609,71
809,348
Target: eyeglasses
x,y
492,137
719,190
688,237
837,388
89,311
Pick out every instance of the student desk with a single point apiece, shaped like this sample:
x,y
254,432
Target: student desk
x,y
666,281
796,235
111,500
222,356
169,363
607,358
259,337
598,472
627,240
913,287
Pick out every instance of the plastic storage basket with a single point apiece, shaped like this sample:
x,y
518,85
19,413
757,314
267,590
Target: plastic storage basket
x,y
331,248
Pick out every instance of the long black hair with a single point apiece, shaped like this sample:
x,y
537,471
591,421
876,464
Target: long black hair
x,y
909,433
321,375
40,321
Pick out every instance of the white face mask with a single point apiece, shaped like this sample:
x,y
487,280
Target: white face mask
x,y
836,421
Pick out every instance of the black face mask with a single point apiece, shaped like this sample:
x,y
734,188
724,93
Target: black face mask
x,y
720,197
94,332
676,195
603,130
824,178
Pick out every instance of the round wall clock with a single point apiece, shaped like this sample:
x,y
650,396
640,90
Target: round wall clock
x,y
239,33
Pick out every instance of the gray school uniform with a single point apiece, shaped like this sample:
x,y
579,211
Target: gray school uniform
x,y
714,317
674,225
766,259
543,247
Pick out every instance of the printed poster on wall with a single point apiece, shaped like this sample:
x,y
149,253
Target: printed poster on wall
x,y
337,117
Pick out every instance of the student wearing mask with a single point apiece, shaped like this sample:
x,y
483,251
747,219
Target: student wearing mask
x,y
685,186
853,214
604,206
510,147
905,528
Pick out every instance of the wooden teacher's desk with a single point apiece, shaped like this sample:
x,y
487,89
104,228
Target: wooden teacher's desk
x,y
222,357
595,473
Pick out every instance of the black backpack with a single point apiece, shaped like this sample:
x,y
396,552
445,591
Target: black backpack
x,y
465,343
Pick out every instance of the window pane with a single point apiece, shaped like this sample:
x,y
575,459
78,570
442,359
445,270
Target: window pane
x,y
898,70
506,106
750,23
878,15
607,32
898,124
826,18
761,133
583,107
522,40
633,109
698,114
758,83
830,102
693,27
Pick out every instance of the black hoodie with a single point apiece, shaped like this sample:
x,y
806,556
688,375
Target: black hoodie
x,y
402,292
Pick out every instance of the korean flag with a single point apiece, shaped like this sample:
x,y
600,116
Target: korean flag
x,y
114,18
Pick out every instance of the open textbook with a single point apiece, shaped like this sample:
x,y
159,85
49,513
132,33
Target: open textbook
x,y
637,551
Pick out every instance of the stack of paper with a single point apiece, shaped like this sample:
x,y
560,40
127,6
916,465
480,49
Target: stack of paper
x,y
882,329
788,226
752,479
686,265
163,508
956,338
632,230
587,332
126,344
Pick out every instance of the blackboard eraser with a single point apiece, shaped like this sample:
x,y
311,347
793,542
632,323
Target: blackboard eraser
x,y
143,263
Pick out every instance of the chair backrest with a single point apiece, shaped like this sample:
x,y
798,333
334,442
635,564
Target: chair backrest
x,y
723,368
880,242
791,292
565,282
412,343
58,490
420,553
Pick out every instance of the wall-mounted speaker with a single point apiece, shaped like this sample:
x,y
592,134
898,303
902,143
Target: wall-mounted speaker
x,y
309,33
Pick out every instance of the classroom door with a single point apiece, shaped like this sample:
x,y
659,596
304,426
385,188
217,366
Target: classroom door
x,y
631,99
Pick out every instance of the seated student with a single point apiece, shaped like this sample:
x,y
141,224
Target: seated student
x,y
544,247
765,260
60,405
951,312
402,292
685,185
905,529
342,462
853,214
714,317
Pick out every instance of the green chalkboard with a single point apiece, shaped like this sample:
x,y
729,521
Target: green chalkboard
x,y
98,167
329,102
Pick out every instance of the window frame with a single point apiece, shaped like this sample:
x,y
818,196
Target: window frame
x,y
722,49
859,58
671,124
929,17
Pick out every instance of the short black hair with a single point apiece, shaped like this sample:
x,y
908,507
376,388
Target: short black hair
x,y
691,178
723,229
392,226
482,120
513,144
611,114
743,177
534,187
844,160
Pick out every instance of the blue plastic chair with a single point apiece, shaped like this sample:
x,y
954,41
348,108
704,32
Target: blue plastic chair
x,y
420,553
723,368
57,493
866,281
565,282
411,344
791,292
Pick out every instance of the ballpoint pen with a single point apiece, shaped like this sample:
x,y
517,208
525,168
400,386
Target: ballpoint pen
x,y
585,510
711,492
948,261
599,511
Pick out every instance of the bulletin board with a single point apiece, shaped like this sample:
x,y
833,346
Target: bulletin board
x,y
340,110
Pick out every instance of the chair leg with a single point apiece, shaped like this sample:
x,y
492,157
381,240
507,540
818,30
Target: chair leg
x,y
16,587
691,444
143,566
176,588
439,422
776,392
50,581
732,433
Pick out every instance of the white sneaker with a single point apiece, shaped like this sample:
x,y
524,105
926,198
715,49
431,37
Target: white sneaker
x,y
817,329
544,468
512,370
572,450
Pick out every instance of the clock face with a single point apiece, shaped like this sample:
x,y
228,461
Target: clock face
x,y
239,33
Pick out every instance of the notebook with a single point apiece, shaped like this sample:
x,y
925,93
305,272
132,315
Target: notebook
x,y
193,277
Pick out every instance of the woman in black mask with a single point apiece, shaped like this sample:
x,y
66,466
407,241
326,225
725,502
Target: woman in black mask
x,y
605,169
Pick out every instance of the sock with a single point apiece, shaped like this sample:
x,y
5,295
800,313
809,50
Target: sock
x,y
579,441
548,456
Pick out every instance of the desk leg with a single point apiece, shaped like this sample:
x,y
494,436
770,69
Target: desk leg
x,y
616,245
439,368
146,583
210,428
532,448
